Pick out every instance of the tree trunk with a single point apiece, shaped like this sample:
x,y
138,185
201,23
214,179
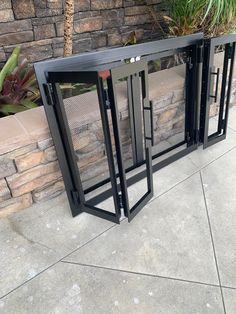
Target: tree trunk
x,y
68,27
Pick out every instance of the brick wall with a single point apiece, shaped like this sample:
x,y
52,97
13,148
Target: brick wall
x,y
37,25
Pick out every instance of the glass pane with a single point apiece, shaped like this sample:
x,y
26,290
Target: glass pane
x,y
218,63
121,91
85,124
167,92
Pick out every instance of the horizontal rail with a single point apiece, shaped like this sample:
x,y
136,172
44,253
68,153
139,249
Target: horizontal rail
x,y
222,40
91,59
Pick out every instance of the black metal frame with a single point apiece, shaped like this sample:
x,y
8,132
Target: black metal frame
x,y
65,146
84,68
207,86
192,108
134,72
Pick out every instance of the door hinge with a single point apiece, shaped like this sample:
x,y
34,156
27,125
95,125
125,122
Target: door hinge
x,y
230,52
49,94
107,100
75,196
197,136
120,198
190,63
188,138
223,124
200,54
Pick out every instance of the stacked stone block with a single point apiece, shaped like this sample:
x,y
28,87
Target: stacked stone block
x,y
23,173
37,25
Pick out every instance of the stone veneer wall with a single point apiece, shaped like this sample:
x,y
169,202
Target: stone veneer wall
x,y
37,25
29,171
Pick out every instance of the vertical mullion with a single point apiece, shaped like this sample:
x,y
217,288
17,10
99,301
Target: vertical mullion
x,y
187,97
223,88
119,154
204,91
67,142
148,142
108,144
192,111
131,117
55,128
229,87
199,75
195,104
208,99
135,79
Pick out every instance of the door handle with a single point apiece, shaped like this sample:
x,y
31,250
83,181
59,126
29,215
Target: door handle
x,y
217,74
150,109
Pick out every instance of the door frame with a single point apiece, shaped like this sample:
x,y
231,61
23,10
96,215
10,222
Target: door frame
x,y
208,95
64,146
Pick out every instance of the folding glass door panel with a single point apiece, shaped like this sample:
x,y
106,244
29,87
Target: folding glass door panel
x,y
173,86
138,118
81,117
103,138
218,70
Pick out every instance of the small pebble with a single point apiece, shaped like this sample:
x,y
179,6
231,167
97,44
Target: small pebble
x,y
136,301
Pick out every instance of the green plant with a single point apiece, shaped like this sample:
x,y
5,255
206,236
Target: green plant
x,y
9,66
69,90
18,86
184,16
213,17
154,66
220,17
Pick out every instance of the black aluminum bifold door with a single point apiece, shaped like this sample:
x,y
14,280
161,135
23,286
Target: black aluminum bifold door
x,y
98,99
218,70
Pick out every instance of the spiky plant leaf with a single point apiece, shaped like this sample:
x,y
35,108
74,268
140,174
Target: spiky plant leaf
x,y
213,17
27,103
11,108
9,66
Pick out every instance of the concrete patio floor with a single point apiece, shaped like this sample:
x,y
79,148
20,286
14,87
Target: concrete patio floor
x,y
177,256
